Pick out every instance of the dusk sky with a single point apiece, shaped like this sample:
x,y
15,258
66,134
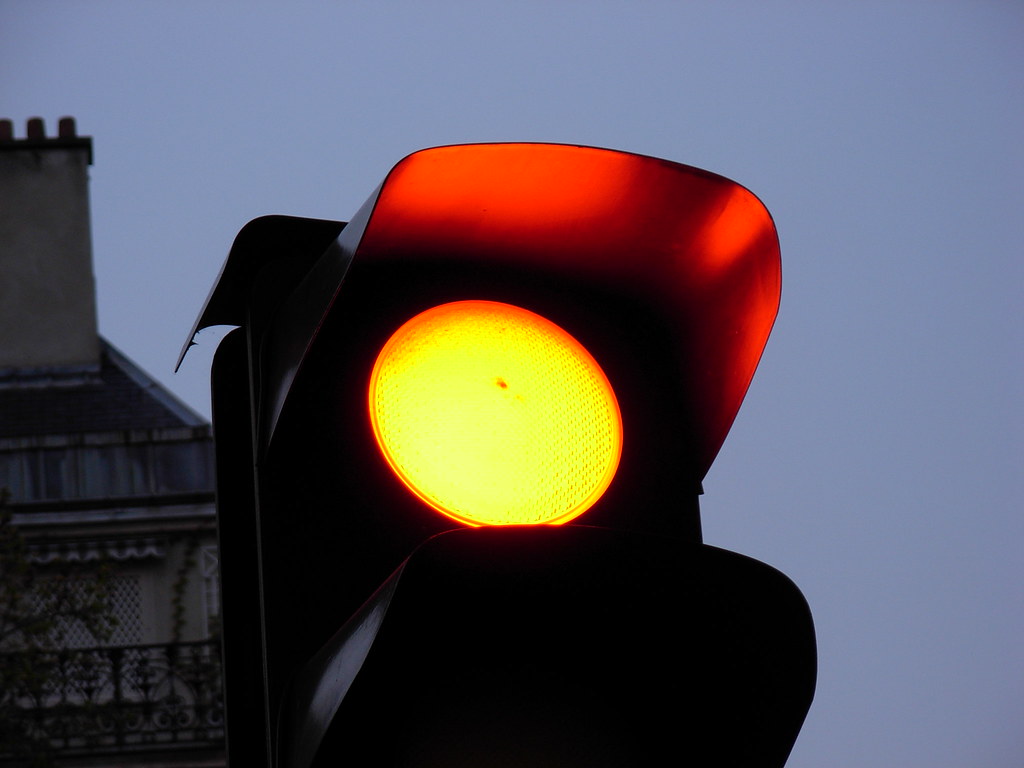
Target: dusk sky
x,y
878,459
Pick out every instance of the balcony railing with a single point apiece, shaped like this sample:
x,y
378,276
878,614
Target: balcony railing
x,y
113,700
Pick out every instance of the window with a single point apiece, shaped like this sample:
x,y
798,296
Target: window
x,y
123,601
106,466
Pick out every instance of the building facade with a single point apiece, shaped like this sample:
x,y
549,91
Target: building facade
x,y
108,480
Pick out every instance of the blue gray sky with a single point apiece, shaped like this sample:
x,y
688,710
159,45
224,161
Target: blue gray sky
x,y
878,457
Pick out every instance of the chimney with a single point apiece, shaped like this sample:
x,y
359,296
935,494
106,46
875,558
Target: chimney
x,y
47,290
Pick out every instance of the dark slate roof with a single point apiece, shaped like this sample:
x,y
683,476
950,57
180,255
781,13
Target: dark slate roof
x,y
119,396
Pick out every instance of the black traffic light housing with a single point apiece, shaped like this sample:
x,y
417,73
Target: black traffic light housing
x,y
669,276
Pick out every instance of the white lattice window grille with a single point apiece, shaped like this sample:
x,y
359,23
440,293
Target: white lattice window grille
x,y
123,597
125,600
210,565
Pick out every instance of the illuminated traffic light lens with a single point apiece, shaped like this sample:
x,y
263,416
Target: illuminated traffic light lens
x,y
494,415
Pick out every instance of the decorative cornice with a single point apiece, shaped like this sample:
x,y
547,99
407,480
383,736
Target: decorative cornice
x,y
86,551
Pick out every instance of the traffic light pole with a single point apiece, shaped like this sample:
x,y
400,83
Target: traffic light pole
x,y
247,718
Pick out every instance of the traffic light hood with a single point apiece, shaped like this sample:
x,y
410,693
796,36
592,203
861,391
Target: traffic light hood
x,y
696,252
669,275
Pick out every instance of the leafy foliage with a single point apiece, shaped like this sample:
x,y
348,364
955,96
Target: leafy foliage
x,y
38,607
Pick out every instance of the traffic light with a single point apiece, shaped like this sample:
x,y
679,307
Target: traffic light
x,y
460,444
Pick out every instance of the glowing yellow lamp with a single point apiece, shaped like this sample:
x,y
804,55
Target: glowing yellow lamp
x,y
494,415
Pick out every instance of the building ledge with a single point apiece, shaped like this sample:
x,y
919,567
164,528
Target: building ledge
x,y
106,511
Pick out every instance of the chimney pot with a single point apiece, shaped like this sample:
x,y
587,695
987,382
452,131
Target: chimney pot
x,y
66,128
35,128
6,130
48,306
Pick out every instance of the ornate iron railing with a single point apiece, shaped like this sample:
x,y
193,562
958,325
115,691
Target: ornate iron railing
x,y
106,700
